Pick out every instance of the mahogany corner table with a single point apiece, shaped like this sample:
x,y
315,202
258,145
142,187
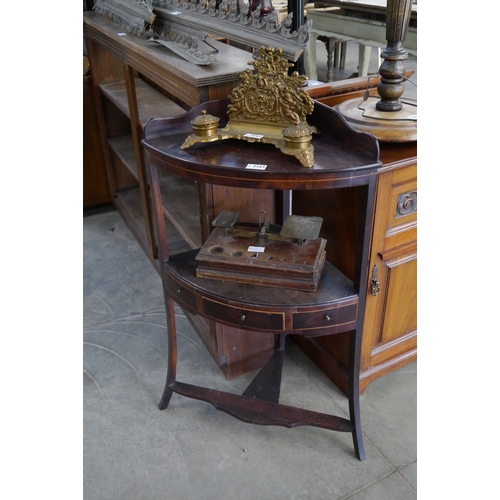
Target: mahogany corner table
x,y
343,158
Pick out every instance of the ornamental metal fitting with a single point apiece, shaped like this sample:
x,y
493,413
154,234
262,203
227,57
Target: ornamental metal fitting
x,y
269,106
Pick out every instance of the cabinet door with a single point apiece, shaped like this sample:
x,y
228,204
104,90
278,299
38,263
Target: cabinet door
x,y
390,331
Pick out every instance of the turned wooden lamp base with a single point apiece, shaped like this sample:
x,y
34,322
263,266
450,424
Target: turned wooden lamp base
x,y
386,126
385,116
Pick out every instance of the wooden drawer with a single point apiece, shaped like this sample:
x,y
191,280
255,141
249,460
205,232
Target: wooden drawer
x,y
246,318
397,193
330,310
184,296
337,316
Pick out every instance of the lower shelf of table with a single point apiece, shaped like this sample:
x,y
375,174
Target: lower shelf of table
x,y
331,309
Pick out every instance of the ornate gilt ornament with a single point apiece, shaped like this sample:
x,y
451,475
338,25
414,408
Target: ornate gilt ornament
x,y
269,106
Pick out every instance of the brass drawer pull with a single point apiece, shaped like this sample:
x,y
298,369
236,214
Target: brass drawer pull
x,y
242,317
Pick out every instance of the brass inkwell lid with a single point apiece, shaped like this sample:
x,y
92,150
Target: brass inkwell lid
x,y
269,106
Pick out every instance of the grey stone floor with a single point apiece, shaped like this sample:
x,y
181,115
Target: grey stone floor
x,y
132,450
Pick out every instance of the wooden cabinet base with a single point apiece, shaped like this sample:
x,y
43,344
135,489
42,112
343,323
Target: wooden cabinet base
x,y
390,325
327,354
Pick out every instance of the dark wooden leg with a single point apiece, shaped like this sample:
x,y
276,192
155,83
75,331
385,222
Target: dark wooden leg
x,y
172,353
353,393
360,280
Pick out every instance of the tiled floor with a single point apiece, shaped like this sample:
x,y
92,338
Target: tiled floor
x,y
134,451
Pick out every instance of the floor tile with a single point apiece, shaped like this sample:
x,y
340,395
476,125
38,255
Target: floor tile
x,y
391,487
118,279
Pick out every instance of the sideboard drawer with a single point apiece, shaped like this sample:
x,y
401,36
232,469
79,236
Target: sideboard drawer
x,y
398,190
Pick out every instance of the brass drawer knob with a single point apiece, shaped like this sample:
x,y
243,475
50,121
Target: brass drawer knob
x,y
327,318
242,317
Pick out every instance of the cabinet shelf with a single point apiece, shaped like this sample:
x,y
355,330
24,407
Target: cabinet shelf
x,y
150,102
181,207
180,196
129,207
123,147
128,204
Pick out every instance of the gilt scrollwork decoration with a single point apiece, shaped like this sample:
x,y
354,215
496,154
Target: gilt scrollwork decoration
x,y
269,106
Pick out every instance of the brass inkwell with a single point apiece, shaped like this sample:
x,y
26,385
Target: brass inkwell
x,y
269,106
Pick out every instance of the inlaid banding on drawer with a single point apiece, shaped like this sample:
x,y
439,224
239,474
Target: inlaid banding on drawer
x,y
246,318
325,318
181,294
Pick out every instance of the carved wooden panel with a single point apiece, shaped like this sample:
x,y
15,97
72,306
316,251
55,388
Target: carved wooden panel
x,y
400,207
398,319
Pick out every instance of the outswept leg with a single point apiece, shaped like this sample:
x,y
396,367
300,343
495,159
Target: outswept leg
x,y
353,394
172,353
